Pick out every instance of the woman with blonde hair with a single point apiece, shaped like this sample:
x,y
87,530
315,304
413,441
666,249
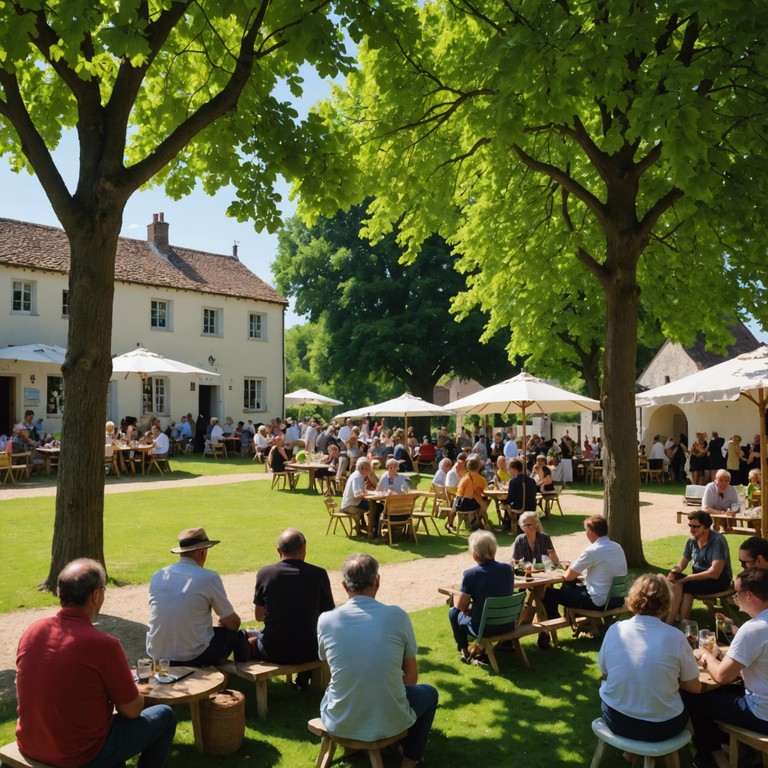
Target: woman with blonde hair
x,y
642,649
533,544
469,496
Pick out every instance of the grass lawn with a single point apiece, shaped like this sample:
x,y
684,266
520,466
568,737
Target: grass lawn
x,y
537,716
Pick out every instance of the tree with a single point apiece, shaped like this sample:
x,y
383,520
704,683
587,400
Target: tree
x,y
607,150
173,92
383,319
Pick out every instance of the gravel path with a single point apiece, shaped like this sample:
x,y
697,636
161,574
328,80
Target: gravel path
x,y
412,585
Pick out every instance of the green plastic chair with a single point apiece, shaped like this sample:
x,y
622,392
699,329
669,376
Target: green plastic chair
x,y
586,620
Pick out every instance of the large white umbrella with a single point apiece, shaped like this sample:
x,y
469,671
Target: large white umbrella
x,y
146,363
34,353
743,376
406,405
522,394
307,397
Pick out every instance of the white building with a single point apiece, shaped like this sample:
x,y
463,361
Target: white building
x,y
204,309
674,361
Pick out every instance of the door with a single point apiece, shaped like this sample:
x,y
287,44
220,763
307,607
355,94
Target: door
x,y
7,404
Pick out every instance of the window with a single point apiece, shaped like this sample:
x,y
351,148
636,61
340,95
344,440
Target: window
x,y
154,398
23,297
212,322
253,395
65,303
257,326
54,396
160,315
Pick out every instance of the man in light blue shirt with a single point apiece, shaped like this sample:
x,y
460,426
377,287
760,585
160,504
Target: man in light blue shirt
x,y
371,651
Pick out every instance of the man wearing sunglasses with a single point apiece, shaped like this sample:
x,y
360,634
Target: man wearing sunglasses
x,y
747,656
708,550
753,553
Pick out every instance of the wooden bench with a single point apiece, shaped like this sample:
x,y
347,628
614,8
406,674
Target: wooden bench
x,y
12,756
260,671
330,742
721,602
741,525
738,735
592,621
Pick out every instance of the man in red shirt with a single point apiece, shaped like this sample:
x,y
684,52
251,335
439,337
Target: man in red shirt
x,y
70,677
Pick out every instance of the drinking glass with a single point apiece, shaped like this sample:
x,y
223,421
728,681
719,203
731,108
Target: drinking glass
x,y
707,639
144,669
163,667
691,631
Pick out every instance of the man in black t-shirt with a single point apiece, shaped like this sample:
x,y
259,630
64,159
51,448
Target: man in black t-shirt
x,y
289,596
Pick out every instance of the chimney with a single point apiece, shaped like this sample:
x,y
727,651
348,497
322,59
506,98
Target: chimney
x,y
234,250
157,233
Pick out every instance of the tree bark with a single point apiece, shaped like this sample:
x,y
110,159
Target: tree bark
x,y
622,489
79,525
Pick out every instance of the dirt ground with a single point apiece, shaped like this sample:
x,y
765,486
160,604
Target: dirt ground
x,y
411,585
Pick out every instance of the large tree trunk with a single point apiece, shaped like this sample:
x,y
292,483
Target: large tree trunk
x,y
78,527
622,489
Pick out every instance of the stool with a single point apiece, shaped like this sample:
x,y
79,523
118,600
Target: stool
x,y
650,750
758,741
12,756
329,743
721,602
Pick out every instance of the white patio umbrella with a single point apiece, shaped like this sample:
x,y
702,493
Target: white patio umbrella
x,y
307,397
406,405
145,363
34,353
743,376
522,394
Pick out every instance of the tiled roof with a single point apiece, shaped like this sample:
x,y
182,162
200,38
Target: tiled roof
x,y
36,246
743,342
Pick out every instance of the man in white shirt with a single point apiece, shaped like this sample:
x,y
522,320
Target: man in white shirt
x,y
160,442
720,496
747,656
181,597
440,480
353,500
599,562
657,456
292,434
310,436
453,478
345,431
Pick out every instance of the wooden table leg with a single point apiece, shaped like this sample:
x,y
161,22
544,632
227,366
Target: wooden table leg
x,y
261,699
194,711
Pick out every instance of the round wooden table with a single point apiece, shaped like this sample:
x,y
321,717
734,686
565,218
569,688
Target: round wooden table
x,y
190,691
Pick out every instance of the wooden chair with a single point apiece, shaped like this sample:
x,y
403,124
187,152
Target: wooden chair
x,y
329,743
738,735
428,512
595,621
9,470
398,513
336,516
595,472
112,465
547,501
160,462
215,450
499,611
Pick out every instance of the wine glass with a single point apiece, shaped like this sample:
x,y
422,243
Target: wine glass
x,y
691,631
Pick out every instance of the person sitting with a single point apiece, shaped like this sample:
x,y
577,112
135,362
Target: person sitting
x,y
469,496
278,456
753,486
599,562
77,702
332,461
181,597
260,441
747,657
640,650
753,553
708,550
488,578
427,453
229,427
521,492
720,496
392,482
533,545
353,501
657,456
401,452
160,443
501,475
371,652
354,448
214,435
289,597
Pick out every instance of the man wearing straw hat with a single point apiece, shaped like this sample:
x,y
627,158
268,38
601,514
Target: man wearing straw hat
x,y
181,597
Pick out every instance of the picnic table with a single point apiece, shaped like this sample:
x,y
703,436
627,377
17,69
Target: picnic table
x,y
729,522
311,467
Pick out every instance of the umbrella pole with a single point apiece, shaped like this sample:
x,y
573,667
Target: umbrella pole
x,y
763,461
525,445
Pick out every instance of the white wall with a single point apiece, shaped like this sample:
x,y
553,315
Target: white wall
x,y
236,355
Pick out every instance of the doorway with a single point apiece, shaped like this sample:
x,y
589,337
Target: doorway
x,y
7,404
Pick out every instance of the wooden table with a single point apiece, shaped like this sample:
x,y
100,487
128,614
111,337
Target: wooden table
x,y
190,691
142,448
233,443
536,585
310,467
497,495
48,454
